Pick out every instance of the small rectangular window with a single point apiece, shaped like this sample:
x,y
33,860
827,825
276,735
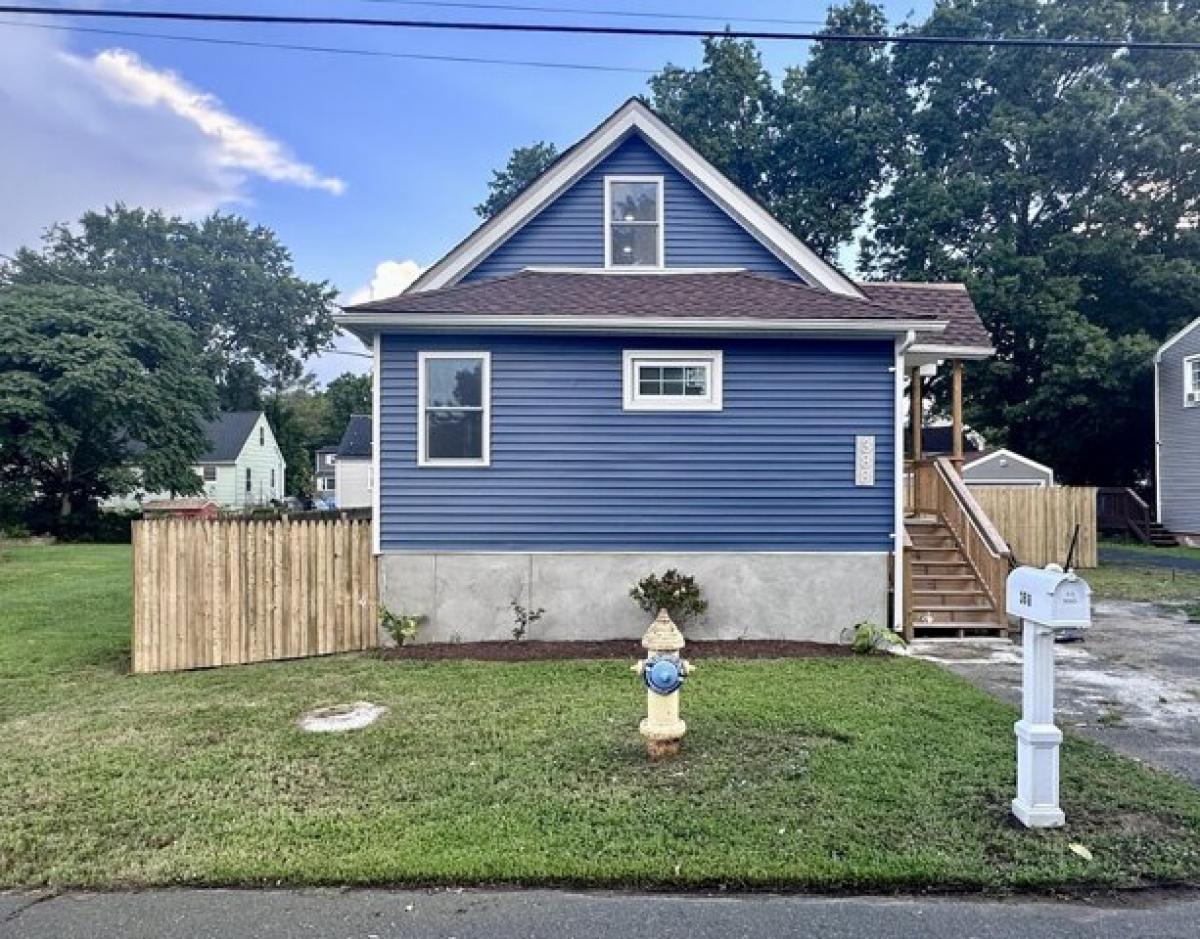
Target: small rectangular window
x,y
210,474
328,484
1191,381
248,477
682,380
454,393
633,219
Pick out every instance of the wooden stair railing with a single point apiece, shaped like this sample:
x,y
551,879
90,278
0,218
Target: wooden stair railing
x,y
940,491
1120,509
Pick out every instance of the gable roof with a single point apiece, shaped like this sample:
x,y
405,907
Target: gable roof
x,y
964,334
634,117
227,434
356,441
670,298
1175,338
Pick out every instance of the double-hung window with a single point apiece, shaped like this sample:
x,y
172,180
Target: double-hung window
x,y
633,221
1191,381
210,474
672,380
454,395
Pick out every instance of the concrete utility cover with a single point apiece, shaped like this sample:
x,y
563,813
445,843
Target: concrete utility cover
x,y
342,717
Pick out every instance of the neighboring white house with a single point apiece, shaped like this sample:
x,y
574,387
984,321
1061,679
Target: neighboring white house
x,y
243,465
353,469
325,475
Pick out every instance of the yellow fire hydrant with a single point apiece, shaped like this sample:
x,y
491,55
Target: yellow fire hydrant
x,y
663,672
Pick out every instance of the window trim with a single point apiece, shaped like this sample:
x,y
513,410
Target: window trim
x,y
204,471
1188,388
608,221
712,359
422,357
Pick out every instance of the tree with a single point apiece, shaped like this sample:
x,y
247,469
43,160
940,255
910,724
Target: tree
x,y
1060,184
232,284
347,394
524,166
91,383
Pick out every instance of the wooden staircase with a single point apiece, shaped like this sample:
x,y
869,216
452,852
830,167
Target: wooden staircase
x,y
947,597
1160,537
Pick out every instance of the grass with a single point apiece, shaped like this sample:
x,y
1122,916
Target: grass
x,y
1136,547
1152,584
859,773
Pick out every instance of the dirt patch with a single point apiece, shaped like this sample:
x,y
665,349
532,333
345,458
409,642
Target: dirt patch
x,y
530,650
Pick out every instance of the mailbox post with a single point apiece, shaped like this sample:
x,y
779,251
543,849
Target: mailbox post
x,y
1048,601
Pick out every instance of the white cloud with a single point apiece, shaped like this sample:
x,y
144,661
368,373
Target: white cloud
x,y
391,278
81,133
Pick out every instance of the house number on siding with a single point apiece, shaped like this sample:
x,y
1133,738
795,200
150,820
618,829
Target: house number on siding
x,y
864,461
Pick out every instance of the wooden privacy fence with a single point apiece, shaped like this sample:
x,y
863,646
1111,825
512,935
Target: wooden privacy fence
x,y
226,592
1038,522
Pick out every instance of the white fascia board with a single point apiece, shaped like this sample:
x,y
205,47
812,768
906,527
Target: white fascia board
x,y
1032,464
591,150
369,324
1174,339
927,349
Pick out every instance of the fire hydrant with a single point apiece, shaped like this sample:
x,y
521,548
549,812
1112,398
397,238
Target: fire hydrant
x,y
663,671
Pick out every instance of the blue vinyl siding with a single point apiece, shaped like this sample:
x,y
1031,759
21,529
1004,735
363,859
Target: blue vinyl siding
x,y
570,230
571,470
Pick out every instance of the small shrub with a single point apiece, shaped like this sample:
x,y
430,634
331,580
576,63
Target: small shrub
x,y
402,627
872,639
677,593
524,618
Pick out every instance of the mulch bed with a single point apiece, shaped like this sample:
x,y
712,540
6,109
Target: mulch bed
x,y
530,650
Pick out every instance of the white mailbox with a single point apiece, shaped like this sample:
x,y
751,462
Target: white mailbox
x,y
1050,596
1049,602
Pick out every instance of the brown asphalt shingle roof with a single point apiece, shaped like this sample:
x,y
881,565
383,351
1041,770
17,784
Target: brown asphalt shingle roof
x,y
950,302
729,294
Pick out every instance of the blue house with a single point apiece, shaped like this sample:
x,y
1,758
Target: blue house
x,y
634,367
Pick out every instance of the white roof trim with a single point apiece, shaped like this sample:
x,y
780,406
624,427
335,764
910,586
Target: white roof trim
x,y
369,323
1174,339
634,115
1032,464
952,352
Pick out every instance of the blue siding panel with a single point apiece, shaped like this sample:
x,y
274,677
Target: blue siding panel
x,y
572,471
570,230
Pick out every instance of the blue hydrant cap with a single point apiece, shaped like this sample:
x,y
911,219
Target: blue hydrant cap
x,y
664,676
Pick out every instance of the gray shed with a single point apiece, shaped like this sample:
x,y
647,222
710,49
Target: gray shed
x,y
1001,467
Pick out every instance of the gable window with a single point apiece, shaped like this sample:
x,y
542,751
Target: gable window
x,y
454,395
210,474
262,437
672,380
633,221
1191,381
249,484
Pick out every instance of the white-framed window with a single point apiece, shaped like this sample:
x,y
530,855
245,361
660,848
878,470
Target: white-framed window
x,y
1191,381
454,399
633,221
672,380
210,474
328,484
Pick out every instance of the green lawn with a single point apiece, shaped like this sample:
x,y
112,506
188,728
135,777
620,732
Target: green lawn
x,y
1133,581
840,773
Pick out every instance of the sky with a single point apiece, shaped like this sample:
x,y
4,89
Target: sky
x,y
367,167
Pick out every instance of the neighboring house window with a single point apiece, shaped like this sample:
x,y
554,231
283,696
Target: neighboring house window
x,y
454,394
272,478
248,486
262,436
328,484
330,459
1191,381
672,380
210,474
633,213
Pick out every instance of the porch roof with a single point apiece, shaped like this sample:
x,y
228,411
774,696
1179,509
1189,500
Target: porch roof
x,y
965,336
734,297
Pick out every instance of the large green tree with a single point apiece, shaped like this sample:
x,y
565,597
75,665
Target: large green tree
x,y
1063,186
229,282
347,394
525,164
91,383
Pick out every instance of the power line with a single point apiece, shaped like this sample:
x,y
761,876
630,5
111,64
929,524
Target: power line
x,y
630,14
334,50
599,30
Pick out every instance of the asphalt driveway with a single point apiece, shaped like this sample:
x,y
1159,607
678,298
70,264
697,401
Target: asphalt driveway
x,y
1133,683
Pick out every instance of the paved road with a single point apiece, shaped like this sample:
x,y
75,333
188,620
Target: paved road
x,y
1133,683
1126,557
533,914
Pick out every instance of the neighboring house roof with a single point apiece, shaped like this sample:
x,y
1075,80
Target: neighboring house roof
x,y
984,456
634,117
356,441
964,329
666,295
227,435
1175,338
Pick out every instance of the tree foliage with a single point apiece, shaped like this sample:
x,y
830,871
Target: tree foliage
x,y
90,382
524,166
229,282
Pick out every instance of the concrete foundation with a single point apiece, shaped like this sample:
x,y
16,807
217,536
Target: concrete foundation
x,y
468,597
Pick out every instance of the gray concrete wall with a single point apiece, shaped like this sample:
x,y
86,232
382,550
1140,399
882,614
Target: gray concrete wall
x,y
467,597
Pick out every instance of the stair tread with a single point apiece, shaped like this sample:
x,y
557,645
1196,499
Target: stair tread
x,y
953,608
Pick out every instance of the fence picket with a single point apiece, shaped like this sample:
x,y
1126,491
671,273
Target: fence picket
x,y
1038,523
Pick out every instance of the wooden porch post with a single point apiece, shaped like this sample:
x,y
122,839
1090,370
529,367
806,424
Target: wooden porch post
x,y
916,411
956,419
